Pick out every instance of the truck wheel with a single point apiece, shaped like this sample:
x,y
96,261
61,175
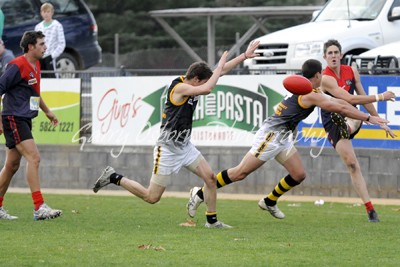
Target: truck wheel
x,y
67,65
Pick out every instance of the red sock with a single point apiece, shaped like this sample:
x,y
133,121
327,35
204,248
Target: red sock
x,y
37,199
369,206
1,201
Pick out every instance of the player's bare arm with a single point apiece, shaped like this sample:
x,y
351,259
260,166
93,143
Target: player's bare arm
x,y
331,104
198,87
386,96
49,114
249,53
360,91
329,85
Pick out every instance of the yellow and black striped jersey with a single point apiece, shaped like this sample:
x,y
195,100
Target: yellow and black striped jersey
x,y
177,118
288,114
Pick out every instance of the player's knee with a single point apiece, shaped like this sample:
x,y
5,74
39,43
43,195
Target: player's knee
x,y
12,166
210,179
152,199
211,183
34,160
352,166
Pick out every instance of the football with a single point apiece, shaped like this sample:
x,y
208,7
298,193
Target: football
x,y
297,85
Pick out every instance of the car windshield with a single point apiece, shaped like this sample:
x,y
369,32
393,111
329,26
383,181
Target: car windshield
x,y
351,9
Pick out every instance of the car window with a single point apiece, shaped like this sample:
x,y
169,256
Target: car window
x,y
18,11
63,6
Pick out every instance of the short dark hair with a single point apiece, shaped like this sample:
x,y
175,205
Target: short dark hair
x,y
310,68
30,38
330,43
200,70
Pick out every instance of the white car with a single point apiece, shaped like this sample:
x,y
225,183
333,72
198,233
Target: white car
x,y
381,60
359,25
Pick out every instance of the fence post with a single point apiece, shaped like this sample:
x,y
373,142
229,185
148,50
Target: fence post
x,y
116,50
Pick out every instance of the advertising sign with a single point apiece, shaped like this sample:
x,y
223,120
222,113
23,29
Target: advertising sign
x,y
127,111
62,96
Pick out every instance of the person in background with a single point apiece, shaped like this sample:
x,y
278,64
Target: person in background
x,y
55,39
6,55
20,87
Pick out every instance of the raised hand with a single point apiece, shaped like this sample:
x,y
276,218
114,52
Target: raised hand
x,y
222,60
251,48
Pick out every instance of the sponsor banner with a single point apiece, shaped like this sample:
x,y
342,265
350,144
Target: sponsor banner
x,y
370,136
62,96
127,110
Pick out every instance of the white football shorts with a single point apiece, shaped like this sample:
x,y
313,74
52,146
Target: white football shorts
x,y
169,159
269,144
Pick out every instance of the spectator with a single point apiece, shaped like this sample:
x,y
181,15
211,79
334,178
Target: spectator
x,y
55,39
6,55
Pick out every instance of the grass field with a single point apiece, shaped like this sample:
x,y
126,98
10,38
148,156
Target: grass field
x,y
98,230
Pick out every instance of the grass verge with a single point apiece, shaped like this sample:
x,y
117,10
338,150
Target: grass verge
x,y
98,230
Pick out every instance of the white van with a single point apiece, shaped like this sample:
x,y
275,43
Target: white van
x,y
359,25
384,59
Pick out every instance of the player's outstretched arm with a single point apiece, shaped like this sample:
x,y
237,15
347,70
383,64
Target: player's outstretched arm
x,y
185,89
329,85
249,53
339,106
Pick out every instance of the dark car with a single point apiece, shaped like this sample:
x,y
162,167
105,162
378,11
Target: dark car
x,y
82,49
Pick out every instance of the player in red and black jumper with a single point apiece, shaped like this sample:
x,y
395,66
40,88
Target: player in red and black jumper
x,y
20,89
342,81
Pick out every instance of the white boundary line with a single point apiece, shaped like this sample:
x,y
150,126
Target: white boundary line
x,y
291,198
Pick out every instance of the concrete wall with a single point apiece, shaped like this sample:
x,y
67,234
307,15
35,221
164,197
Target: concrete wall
x,y
74,167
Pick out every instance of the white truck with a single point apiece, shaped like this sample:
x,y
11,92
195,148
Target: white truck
x,y
359,25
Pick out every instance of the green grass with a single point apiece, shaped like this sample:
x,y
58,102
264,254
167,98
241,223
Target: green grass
x,y
100,230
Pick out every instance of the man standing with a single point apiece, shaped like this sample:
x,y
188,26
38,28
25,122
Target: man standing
x,y
20,86
341,81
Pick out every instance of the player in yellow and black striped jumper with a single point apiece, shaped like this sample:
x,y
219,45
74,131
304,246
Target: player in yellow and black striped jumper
x,y
174,149
274,140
